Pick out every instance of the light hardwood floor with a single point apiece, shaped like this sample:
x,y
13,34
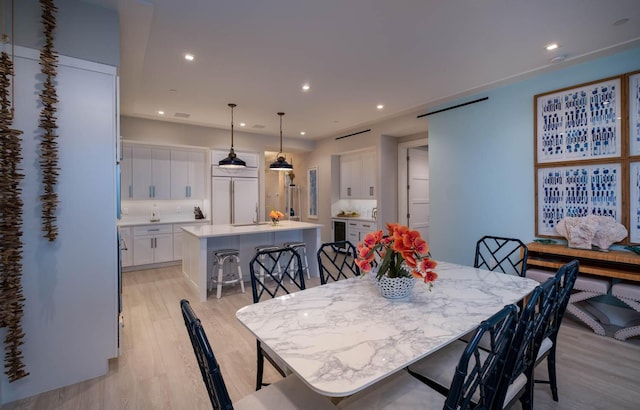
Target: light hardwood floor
x,y
157,368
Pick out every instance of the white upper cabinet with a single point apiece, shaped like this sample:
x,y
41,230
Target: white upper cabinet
x,y
358,175
187,174
126,173
151,173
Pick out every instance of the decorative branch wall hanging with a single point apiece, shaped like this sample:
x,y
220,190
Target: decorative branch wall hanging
x,y
49,144
11,296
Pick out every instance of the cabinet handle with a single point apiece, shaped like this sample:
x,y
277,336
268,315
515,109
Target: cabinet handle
x,y
366,226
349,191
153,230
130,191
150,191
123,245
370,191
154,191
151,243
189,191
186,192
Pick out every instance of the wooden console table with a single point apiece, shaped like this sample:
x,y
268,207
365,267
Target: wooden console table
x,y
601,266
612,264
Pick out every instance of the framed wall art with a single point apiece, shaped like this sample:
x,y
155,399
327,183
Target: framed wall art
x,y
312,200
634,206
579,123
634,114
576,191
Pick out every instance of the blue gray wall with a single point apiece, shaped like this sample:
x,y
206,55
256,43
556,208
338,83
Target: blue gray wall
x,y
481,160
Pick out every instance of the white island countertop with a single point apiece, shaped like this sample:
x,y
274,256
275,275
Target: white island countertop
x,y
213,231
200,241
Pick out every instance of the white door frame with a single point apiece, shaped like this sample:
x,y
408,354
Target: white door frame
x,y
402,175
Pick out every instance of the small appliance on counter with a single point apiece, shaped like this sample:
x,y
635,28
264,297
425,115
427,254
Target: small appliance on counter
x,y
197,212
155,214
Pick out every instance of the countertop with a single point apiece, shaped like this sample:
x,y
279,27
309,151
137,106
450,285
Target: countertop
x,y
209,231
354,218
169,219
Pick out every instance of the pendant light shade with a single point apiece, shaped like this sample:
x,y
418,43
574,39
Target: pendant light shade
x,y
232,161
280,164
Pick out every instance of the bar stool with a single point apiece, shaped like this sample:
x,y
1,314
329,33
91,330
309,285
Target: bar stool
x,y
629,294
301,248
278,269
221,256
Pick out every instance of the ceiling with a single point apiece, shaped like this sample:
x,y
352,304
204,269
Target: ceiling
x,y
408,55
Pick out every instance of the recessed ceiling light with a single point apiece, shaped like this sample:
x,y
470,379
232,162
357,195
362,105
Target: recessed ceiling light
x,y
306,87
188,57
551,46
242,124
160,112
559,59
302,133
379,106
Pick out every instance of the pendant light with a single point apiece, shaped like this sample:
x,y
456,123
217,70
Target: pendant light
x,y
280,164
232,161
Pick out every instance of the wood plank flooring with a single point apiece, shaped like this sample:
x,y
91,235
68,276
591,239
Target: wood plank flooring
x,y
157,368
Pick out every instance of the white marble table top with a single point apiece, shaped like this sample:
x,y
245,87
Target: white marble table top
x,y
342,337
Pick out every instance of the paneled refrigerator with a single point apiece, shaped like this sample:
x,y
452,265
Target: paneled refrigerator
x,y
235,193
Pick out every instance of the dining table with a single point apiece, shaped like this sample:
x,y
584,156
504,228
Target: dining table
x,y
342,337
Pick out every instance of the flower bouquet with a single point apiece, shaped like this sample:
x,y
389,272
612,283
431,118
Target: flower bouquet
x,y
275,216
400,254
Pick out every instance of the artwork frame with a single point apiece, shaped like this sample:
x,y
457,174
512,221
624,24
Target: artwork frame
x,y
634,113
578,190
634,202
312,192
579,123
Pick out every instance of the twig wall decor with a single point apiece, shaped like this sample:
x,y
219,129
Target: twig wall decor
x,y
49,144
11,296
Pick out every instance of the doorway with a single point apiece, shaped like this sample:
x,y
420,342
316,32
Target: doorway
x,y
413,186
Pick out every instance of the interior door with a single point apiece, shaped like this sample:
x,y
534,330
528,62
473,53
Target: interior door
x,y
221,200
245,203
418,192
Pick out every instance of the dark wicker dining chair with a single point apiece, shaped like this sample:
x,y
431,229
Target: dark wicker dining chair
x,y
274,272
336,260
506,255
287,394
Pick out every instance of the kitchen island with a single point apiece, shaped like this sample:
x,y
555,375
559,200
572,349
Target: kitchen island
x,y
199,242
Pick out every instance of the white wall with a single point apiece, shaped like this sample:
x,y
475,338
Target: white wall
x,y
83,30
481,160
70,285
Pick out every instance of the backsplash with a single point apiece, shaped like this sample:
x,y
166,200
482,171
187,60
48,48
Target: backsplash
x,y
168,209
362,206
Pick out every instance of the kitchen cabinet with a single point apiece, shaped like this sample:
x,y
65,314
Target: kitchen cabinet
x,y
187,174
126,173
126,246
151,168
152,244
356,230
358,176
177,238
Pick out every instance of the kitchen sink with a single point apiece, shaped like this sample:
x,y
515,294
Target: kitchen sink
x,y
252,224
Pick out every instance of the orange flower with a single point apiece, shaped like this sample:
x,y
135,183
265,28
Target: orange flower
x,y
402,253
275,214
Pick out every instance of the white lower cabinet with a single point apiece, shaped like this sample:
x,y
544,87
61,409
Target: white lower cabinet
x,y
152,244
356,230
177,238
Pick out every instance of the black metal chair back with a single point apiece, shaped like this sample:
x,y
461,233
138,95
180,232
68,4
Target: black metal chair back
x,y
566,278
336,261
507,255
276,272
531,330
478,373
211,374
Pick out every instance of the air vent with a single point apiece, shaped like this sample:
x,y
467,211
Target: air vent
x,y
182,115
258,126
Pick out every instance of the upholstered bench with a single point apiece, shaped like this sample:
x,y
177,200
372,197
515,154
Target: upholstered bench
x,y
586,287
629,294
